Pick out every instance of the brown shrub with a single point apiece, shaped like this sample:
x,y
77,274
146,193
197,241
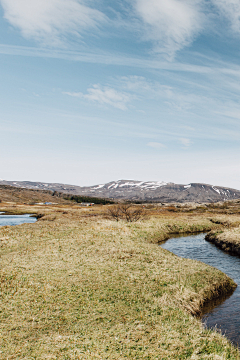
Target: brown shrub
x,y
126,212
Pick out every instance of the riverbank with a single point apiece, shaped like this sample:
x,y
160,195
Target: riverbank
x,y
78,286
218,312
226,239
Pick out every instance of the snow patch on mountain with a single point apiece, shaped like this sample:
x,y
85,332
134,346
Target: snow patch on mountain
x,y
216,190
99,187
151,185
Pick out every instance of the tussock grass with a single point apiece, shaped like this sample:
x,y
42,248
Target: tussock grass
x,y
78,287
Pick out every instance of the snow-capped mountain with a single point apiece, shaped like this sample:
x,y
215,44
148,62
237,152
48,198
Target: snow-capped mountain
x,y
156,191
131,184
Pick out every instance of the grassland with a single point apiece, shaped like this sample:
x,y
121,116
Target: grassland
x,y
76,285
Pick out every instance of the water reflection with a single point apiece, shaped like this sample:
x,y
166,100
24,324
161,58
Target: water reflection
x,y
226,315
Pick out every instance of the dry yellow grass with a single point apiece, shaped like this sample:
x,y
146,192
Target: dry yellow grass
x,y
75,286
226,239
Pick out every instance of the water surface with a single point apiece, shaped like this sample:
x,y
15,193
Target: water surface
x,y
16,219
226,315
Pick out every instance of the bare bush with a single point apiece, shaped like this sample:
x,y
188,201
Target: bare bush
x,y
113,212
126,212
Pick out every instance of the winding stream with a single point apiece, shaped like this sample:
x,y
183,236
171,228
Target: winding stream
x,y
226,314
16,219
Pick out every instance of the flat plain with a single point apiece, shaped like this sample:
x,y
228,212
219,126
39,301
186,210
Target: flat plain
x,y
79,285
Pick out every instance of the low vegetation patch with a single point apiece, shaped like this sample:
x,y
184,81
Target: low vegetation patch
x,y
78,287
88,199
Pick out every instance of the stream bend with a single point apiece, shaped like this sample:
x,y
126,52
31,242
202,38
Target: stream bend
x,y
226,314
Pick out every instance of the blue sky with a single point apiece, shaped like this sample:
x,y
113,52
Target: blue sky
x,y
136,89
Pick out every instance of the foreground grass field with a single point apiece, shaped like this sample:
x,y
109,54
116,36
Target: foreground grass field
x,y
76,286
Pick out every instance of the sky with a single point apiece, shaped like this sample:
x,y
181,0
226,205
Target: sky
x,y
95,91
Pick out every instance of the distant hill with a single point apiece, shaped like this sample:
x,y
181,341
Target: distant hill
x,y
30,196
33,196
149,191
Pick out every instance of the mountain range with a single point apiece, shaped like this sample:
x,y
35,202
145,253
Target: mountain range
x,y
145,191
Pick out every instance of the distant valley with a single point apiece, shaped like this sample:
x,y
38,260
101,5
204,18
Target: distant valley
x,y
149,191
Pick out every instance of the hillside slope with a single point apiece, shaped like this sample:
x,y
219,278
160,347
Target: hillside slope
x,y
28,196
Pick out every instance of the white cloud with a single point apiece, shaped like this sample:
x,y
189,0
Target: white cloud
x,y
172,24
49,20
105,96
231,10
185,142
156,145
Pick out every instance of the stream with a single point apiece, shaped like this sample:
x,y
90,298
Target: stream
x,y
225,313
16,219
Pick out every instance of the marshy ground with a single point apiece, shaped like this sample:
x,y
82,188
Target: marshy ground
x,y
76,285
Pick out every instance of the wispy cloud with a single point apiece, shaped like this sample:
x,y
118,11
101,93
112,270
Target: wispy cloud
x,y
171,24
185,142
50,20
139,84
156,145
105,96
104,58
173,97
214,98
230,9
